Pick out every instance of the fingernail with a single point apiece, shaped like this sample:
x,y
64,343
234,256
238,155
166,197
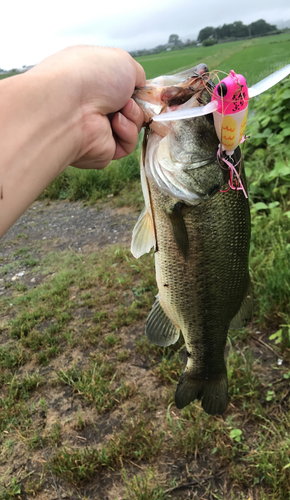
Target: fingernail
x,y
123,121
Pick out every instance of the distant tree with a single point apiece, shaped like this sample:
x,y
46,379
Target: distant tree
x,y
260,27
223,32
233,30
174,39
239,30
205,33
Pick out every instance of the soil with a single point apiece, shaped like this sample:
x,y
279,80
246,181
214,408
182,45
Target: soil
x,y
56,226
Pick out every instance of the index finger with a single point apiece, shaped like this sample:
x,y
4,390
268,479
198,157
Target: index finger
x,y
140,79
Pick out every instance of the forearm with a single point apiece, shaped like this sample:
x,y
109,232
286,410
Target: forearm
x,y
38,140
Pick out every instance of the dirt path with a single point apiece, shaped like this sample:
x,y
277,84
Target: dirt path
x,y
56,226
70,225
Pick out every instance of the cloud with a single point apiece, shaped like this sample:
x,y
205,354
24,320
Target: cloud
x,y
32,30
129,25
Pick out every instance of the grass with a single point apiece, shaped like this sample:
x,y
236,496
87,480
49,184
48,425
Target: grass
x,y
138,440
97,384
122,176
254,58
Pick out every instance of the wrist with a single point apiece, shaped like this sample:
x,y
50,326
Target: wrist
x,y
55,116
39,139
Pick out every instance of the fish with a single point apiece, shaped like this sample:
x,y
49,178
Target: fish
x,y
199,229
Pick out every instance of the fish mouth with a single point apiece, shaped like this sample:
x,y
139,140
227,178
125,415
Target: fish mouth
x,y
172,92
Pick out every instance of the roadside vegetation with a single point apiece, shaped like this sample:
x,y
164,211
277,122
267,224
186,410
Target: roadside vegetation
x,y
81,388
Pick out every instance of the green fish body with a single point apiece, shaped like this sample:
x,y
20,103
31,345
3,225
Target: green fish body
x,y
200,231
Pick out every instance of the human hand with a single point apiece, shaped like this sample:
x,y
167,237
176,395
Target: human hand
x,y
74,108
98,83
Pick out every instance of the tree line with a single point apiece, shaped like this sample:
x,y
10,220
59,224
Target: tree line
x,y
236,30
210,35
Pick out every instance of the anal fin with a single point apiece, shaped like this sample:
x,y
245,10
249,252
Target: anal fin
x,y
159,328
245,313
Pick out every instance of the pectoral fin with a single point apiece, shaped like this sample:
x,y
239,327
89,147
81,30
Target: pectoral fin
x,y
245,313
143,238
159,328
178,229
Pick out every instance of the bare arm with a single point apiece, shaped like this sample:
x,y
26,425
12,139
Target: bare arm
x,y
55,115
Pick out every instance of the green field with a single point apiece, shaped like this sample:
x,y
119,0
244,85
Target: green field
x,y
254,58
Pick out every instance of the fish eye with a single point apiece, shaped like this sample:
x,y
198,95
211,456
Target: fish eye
x,y
222,89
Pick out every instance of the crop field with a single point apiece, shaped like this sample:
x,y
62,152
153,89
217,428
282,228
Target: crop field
x,y
86,402
255,58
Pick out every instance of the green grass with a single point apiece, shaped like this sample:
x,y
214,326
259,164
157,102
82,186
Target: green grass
x,y
138,440
93,185
254,58
97,384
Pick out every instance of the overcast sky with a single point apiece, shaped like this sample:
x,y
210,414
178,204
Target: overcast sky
x,y
30,30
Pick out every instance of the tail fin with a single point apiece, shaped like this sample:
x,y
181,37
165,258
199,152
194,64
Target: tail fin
x,y
213,392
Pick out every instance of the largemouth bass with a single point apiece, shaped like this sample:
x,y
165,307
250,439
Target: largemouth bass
x,y
200,232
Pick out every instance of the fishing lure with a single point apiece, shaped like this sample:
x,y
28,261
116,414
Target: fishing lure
x,y
229,105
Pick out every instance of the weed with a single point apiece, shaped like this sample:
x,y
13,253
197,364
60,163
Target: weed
x,y
100,316
123,356
96,384
112,340
143,346
21,251
80,424
12,356
243,382
138,440
143,487
31,262
94,184
170,367
55,434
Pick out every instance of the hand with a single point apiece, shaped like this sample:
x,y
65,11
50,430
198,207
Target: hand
x,y
99,82
74,108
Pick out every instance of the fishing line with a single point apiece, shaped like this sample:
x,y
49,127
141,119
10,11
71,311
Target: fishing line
x,y
40,440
